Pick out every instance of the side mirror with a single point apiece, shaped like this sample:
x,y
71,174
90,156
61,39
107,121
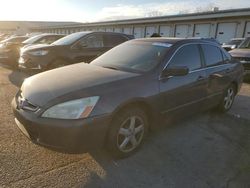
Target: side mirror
x,y
175,71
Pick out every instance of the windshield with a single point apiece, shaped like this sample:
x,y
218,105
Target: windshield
x,y
133,56
70,39
245,44
32,39
234,42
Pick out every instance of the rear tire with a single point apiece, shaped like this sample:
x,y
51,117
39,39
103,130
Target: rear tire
x,y
227,99
127,132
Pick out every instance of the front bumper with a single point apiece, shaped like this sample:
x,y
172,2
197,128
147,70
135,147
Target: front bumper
x,y
63,135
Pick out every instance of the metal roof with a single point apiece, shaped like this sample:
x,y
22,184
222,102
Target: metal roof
x,y
170,18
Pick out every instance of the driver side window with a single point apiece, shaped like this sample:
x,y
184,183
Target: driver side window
x,y
93,41
188,56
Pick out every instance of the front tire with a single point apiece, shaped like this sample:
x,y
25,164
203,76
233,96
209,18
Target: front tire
x,y
127,132
228,99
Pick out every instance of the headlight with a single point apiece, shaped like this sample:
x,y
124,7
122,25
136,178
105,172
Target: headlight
x,y
39,52
75,109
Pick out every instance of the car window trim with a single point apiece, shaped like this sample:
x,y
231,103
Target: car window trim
x,y
201,63
197,43
201,69
220,63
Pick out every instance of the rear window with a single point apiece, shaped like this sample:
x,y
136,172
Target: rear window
x,y
212,55
111,40
226,55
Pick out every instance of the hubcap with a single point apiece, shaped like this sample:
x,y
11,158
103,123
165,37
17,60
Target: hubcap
x,y
130,134
228,100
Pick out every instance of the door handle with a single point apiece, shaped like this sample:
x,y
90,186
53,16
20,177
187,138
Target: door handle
x,y
228,70
216,75
200,78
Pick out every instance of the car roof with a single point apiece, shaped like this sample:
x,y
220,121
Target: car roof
x,y
50,34
176,40
102,32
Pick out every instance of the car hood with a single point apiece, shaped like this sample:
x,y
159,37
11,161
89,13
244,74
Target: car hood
x,y
240,52
46,86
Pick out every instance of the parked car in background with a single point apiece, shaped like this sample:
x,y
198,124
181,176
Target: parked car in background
x,y
242,54
45,38
116,98
4,36
9,50
74,48
232,44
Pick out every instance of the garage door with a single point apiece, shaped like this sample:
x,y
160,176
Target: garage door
x,y
118,30
127,30
181,31
165,30
139,32
226,31
109,29
202,30
247,31
101,29
150,30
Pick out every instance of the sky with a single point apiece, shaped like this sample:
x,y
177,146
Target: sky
x,y
100,10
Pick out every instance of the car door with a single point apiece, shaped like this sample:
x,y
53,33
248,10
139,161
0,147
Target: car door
x,y
188,91
88,48
218,70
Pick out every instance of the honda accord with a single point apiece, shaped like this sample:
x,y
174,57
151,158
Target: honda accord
x,y
118,97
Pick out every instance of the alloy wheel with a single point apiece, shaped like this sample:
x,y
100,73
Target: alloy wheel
x,y
229,98
130,134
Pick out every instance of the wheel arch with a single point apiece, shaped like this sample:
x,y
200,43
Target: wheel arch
x,y
140,103
236,85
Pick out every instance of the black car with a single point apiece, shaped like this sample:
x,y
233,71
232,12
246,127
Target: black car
x,y
74,48
115,99
45,38
9,49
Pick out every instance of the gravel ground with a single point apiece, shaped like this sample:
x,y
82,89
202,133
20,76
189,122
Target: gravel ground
x,y
205,150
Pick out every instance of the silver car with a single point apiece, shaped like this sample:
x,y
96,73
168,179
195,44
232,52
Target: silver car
x,y
242,53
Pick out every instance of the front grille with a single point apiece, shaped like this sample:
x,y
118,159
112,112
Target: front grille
x,y
24,104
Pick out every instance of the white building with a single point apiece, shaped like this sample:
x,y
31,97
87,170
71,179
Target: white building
x,y
223,25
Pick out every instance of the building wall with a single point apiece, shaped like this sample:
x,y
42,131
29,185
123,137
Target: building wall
x,y
223,26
